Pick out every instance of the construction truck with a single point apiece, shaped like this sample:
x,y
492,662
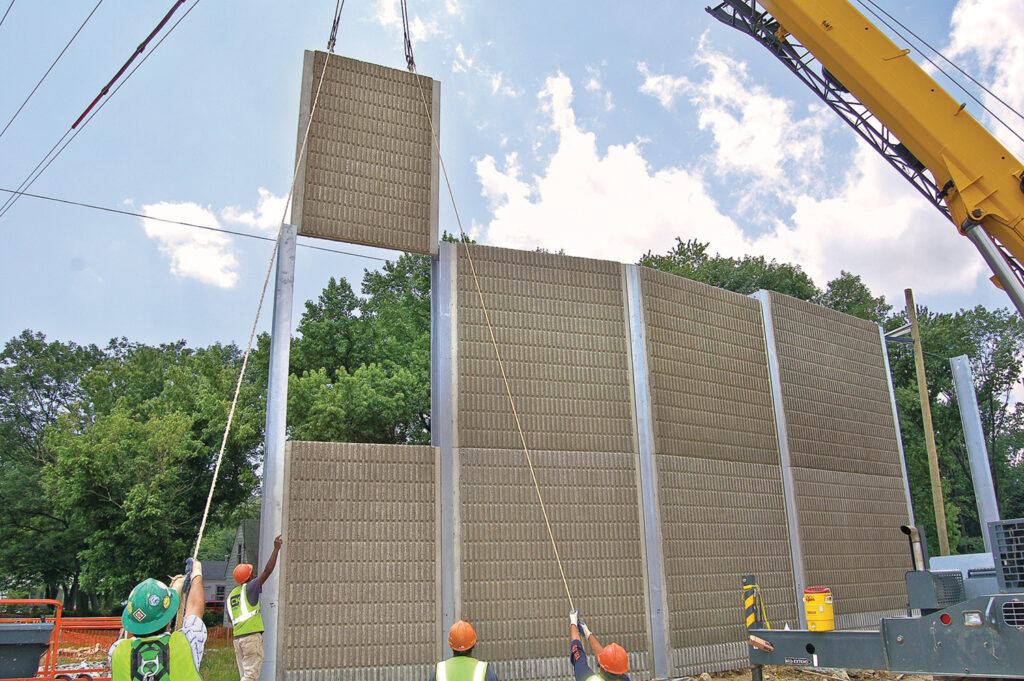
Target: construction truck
x,y
966,622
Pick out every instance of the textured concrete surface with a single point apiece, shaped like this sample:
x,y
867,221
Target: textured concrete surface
x,y
846,463
371,169
720,491
359,584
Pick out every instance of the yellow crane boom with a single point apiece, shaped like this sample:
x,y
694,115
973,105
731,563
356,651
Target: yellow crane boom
x,y
878,88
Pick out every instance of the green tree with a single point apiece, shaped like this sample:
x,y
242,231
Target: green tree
x,y
39,382
745,275
848,294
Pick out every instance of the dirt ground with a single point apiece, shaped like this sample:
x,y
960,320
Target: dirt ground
x,y
802,674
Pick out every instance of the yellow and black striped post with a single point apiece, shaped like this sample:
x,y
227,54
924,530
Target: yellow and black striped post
x,y
752,617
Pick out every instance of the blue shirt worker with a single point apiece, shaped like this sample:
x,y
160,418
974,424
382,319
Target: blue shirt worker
x,y
462,666
613,663
155,653
243,606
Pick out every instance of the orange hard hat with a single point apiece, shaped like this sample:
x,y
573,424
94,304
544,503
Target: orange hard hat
x,y
613,659
462,636
242,573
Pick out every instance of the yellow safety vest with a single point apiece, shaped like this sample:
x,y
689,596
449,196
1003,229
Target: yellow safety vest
x,y
461,668
166,657
245,616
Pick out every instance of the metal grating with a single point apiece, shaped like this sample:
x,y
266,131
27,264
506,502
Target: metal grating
x,y
720,490
511,588
949,587
370,172
1008,550
1013,614
845,456
560,324
360,557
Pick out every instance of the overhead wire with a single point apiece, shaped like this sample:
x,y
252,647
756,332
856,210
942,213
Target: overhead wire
x,y
885,18
30,94
143,216
4,17
50,156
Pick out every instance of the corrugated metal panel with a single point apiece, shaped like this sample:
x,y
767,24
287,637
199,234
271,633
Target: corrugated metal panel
x,y
511,587
359,562
720,487
370,172
846,463
560,325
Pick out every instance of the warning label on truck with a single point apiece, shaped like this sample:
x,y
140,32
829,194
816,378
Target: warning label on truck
x,y
798,661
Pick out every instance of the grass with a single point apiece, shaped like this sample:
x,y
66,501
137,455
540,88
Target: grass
x,y
219,665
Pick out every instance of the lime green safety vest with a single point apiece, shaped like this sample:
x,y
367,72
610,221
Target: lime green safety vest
x,y
166,657
245,616
461,668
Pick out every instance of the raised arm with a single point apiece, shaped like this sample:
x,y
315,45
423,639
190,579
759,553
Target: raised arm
x,y
268,569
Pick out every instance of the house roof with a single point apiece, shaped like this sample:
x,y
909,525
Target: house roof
x,y
215,570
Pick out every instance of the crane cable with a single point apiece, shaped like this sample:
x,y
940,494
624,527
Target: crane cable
x,y
410,62
494,342
879,13
259,307
4,17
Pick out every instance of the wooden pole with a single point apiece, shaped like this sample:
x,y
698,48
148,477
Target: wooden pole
x,y
929,433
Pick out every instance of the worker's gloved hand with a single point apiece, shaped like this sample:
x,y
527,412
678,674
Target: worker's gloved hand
x,y
582,627
194,568
574,616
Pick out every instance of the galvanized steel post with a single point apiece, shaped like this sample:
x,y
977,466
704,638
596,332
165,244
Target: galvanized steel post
x,y
977,453
272,508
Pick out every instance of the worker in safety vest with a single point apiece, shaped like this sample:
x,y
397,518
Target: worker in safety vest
x,y
243,606
155,653
462,666
612,660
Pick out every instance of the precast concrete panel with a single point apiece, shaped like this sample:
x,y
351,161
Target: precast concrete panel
x,y
845,456
512,590
720,492
370,171
560,325
360,560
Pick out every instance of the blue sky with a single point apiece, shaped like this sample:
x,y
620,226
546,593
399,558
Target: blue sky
x,y
604,128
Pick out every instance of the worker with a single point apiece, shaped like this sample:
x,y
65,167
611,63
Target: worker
x,y
243,606
155,653
462,666
612,658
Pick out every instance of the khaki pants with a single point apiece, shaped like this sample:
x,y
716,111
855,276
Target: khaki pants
x,y
249,656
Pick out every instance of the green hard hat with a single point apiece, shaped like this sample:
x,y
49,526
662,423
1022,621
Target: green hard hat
x,y
151,605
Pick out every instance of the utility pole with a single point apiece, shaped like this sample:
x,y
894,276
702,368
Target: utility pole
x,y
929,433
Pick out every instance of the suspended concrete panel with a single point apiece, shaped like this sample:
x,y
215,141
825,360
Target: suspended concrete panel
x,y
560,325
360,567
720,492
370,171
849,485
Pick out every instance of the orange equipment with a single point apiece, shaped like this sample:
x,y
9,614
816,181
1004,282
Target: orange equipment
x,y
242,573
462,636
613,659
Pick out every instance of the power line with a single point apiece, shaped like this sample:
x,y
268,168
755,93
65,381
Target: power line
x,y
872,9
209,228
4,18
73,132
51,67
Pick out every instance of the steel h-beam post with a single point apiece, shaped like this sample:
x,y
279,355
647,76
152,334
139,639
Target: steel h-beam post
x,y
977,453
272,508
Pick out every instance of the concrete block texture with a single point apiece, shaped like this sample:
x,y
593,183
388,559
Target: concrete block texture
x,y
369,174
721,501
560,325
511,589
846,463
359,579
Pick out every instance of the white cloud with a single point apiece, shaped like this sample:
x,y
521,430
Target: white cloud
x,y
612,204
662,87
453,7
595,85
469,63
267,216
194,253
989,35
389,15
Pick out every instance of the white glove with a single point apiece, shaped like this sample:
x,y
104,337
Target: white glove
x,y
574,616
586,632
